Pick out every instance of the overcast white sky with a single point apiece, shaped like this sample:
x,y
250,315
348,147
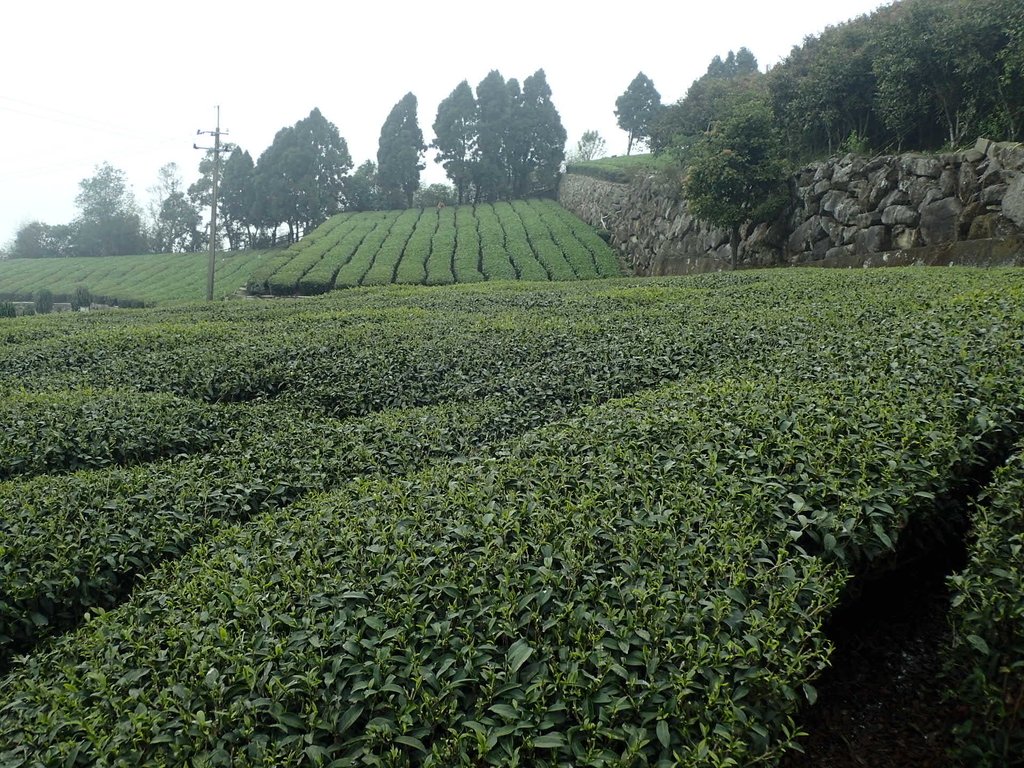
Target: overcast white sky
x,y
130,82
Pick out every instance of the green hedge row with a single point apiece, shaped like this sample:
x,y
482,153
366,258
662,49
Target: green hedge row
x,y
440,263
494,258
988,619
78,542
386,260
467,246
644,584
56,432
320,278
412,269
519,249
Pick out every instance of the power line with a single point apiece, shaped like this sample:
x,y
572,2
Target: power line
x,y
42,112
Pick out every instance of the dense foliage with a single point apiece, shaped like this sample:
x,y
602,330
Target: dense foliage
x,y
507,142
637,108
736,173
583,523
109,222
398,155
916,74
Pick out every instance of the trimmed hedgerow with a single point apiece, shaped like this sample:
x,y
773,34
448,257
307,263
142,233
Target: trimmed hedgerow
x,y
988,618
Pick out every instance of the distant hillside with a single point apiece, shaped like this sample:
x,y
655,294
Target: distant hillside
x,y
522,240
149,279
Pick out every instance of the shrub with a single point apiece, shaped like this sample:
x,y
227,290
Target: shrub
x,y
82,297
988,619
44,301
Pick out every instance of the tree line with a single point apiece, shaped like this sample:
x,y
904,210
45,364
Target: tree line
x,y
914,75
917,74
505,141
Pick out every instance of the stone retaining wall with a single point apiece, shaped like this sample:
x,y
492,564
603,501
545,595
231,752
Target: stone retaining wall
x,y
844,211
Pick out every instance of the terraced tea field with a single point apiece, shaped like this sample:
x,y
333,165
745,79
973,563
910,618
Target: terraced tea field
x,y
522,240
583,523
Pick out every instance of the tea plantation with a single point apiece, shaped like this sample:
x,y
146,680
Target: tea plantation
x,y
568,524
523,240
155,278
535,240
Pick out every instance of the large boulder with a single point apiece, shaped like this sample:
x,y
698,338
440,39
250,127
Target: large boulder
x,y
940,221
919,189
880,184
948,182
847,210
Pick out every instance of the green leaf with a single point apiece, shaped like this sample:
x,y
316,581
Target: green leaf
x,y
351,715
518,653
549,741
979,644
663,733
504,710
811,693
411,741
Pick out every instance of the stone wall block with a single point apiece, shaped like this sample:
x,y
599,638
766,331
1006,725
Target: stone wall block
x,y
820,188
840,252
970,212
880,183
994,195
870,219
831,200
967,184
847,210
1013,201
905,237
940,221
872,240
805,235
925,167
901,214
948,182
995,174
896,197
1011,155
992,225
820,248
918,189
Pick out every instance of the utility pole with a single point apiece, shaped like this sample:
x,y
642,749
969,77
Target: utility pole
x,y
213,205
